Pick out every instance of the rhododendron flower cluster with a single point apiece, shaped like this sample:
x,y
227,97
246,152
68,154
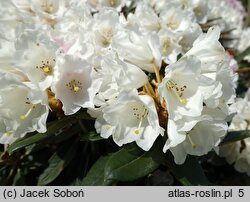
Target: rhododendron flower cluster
x,y
158,70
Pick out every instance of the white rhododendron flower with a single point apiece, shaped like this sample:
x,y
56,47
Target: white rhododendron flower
x,y
125,75
205,134
20,111
145,17
48,8
74,85
181,22
196,143
36,57
170,43
183,87
209,50
203,84
132,117
106,26
99,4
141,50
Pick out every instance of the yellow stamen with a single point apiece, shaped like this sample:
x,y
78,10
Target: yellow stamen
x,y
76,88
222,101
108,127
173,25
74,85
47,69
191,142
172,85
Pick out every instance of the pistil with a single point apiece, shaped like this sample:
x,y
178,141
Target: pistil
x,y
144,113
25,116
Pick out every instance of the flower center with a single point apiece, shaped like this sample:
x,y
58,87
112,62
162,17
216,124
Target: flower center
x,y
46,67
112,2
74,86
166,45
173,24
178,91
47,7
140,116
198,12
106,36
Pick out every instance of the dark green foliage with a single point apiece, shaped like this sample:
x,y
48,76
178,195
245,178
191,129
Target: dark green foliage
x,y
74,156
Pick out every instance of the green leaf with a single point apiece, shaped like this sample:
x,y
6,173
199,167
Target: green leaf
x,y
83,114
241,56
55,139
234,136
19,179
129,164
57,162
95,176
91,136
189,173
52,130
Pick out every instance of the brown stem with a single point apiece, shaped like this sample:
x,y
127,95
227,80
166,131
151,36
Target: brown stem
x,y
243,70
